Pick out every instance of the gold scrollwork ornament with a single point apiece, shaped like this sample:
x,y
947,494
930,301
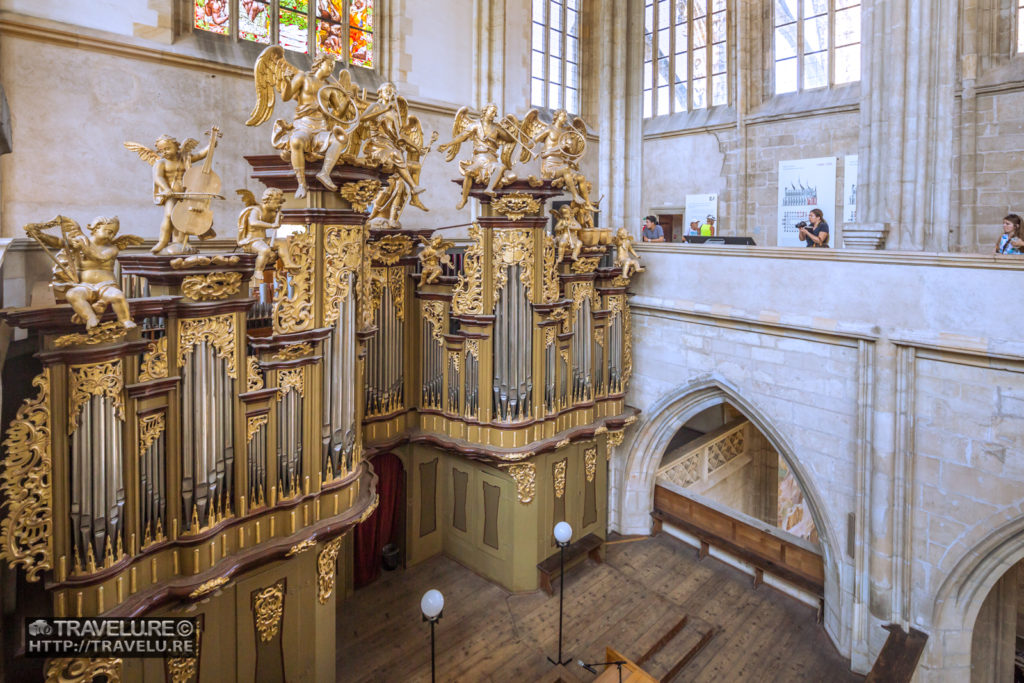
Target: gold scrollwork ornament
x,y
154,361
150,429
525,476
218,330
516,205
208,587
615,438
294,351
512,248
253,424
211,286
268,609
82,670
389,250
343,247
95,379
468,295
590,462
327,568
253,376
302,547
101,334
295,313
182,669
433,313
361,194
560,467
291,380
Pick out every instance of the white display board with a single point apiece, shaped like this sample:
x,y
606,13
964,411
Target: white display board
x,y
803,185
698,208
850,189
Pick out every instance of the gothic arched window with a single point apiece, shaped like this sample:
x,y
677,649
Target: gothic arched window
x,y
816,43
555,57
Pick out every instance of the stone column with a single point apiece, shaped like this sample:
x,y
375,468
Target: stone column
x,y
907,115
489,53
619,111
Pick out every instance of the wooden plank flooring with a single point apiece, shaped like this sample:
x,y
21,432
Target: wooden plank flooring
x,y
630,603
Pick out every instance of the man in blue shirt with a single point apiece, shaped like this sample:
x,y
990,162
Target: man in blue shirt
x,y
652,232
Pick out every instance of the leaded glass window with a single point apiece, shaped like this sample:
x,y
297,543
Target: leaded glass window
x,y
343,28
816,43
686,55
555,57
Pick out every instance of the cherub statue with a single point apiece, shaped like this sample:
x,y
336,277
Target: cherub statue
x,y
254,222
625,256
564,142
493,147
566,233
84,270
433,257
325,112
171,161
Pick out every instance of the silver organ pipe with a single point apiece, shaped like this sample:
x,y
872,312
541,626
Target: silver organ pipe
x,y
615,355
433,369
289,443
97,504
582,343
472,376
513,351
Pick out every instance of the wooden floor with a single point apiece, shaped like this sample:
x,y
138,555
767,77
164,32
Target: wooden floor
x,y
630,602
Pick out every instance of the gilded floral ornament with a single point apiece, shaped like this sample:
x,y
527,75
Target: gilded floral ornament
x,y
582,291
294,351
361,194
268,609
388,250
343,246
327,569
525,475
433,313
396,285
550,270
585,265
292,379
615,438
203,261
473,348
302,547
150,429
101,334
515,205
620,281
253,376
590,462
253,424
182,669
80,670
370,509
560,467
218,330
549,336
212,286
295,313
95,379
154,361
26,531
512,248
468,295
208,587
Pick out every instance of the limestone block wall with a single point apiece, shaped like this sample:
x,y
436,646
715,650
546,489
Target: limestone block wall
x,y
892,385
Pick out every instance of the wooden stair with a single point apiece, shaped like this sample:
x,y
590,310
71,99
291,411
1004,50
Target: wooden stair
x,y
898,659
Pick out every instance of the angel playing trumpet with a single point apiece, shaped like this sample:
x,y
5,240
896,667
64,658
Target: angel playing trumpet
x,y
326,112
84,267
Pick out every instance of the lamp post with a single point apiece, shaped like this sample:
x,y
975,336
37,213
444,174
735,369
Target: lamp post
x,y
432,604
563,534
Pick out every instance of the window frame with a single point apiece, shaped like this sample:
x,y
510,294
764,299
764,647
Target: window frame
x,y
563,56
274,8
801,52
673,52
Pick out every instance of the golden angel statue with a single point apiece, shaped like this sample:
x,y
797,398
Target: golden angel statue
x,y
494,144
625,256
326,110
564,142
84,270
433,257
253,223
182,189
566,232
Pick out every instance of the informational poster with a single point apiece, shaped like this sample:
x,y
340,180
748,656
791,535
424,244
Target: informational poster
x,y
805,184
850,189
698,208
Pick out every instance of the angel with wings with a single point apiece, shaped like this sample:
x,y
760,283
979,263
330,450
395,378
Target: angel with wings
x,y
392,138
625,255
170,160
256,219
493,147
84,271
325,112
567,233
434,257
564,143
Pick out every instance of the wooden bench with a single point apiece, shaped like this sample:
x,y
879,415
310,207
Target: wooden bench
x,y
549,568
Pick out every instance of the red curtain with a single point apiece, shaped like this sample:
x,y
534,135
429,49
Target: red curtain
x,y
379,528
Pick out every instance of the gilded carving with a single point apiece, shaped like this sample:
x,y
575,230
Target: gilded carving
x,y
626,257
550,270
150,429
202,261
468,294
218,330
549,336
433,258
154,361
294,351
627,349
454,360
599,336
295,313
268,609
512,248
585,265
211,286
302,547
433,313
620,281
388,250
101,334
525,475
96,379
590,462
473,348
253,424
560,478
80,670
343,247
582,291
26,531
253,375
291,379
369,509
182,669
515,205
396,285
615,438
361,194
208,587
327,567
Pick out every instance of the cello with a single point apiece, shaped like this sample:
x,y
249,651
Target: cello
x,y
191,214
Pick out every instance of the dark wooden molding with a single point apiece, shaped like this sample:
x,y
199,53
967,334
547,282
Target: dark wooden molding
x,y
258,395
93,354
155,387
279,342
157,269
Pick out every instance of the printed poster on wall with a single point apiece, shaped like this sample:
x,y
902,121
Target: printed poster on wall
x,y
803,185
850,189
698,208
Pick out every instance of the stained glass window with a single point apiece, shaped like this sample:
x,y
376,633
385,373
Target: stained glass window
x,y
555,55
816,43
686,55
343,28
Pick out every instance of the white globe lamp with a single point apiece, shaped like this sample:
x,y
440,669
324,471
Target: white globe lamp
x,y
563,533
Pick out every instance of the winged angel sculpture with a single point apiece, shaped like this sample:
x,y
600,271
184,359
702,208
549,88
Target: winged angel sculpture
x,y
565,141
327,111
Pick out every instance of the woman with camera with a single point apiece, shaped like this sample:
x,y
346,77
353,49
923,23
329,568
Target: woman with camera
x,y
815,235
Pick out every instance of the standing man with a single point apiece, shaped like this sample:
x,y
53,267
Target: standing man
x,y
652,232
817,234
